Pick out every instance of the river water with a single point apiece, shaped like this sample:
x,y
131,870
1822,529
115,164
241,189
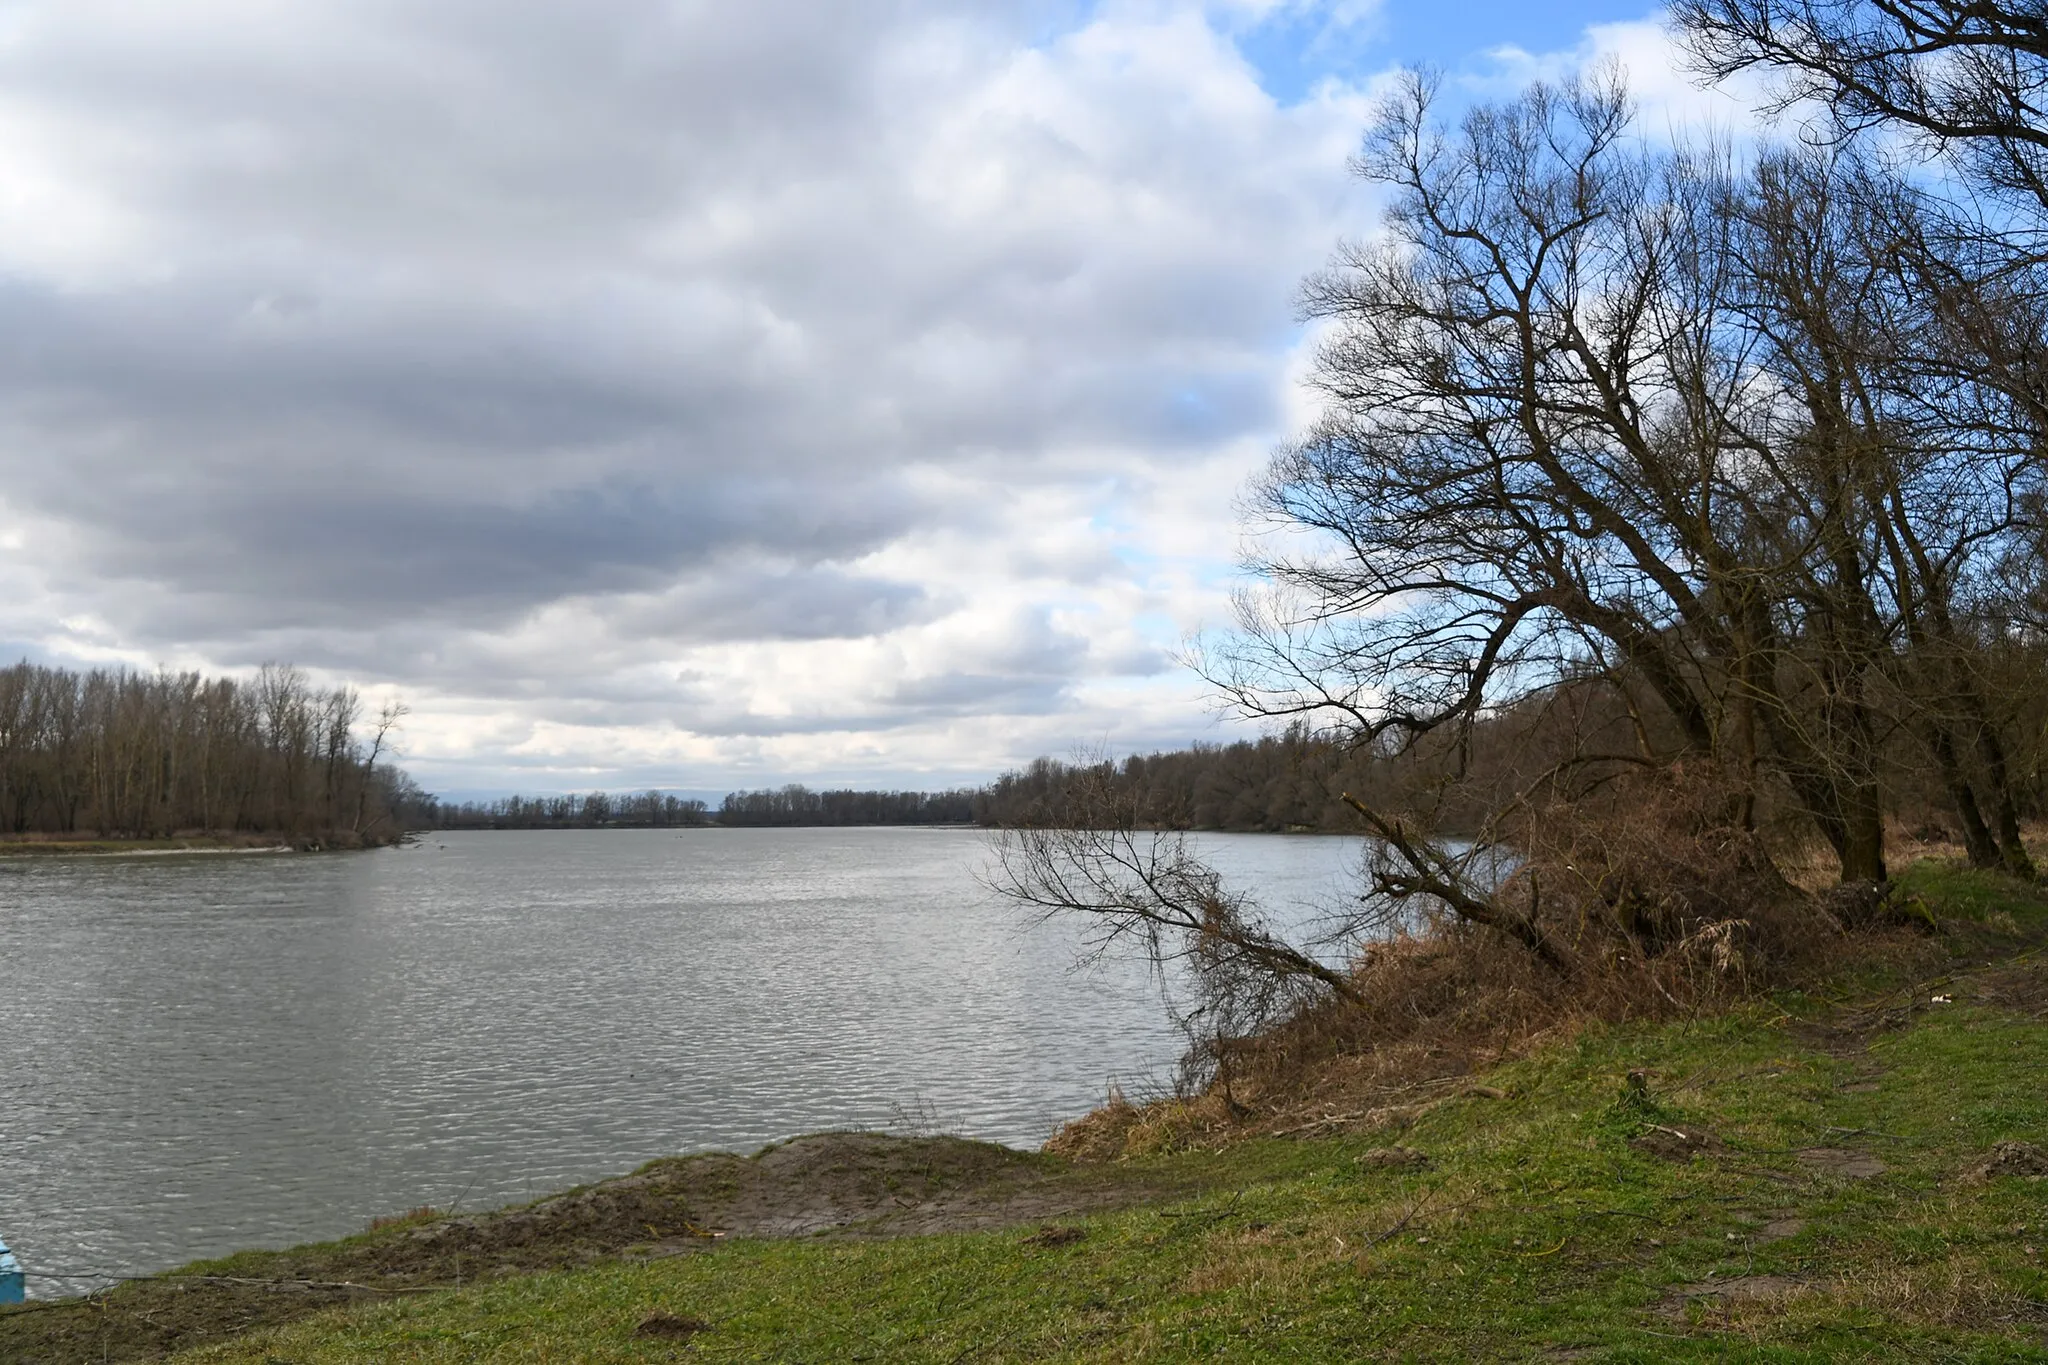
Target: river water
x,y
201,1054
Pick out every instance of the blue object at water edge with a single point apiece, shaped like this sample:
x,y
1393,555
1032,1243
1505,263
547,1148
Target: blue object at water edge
x,y
13,1285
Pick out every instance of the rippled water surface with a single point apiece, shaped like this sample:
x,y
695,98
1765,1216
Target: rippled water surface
x,y
199,1054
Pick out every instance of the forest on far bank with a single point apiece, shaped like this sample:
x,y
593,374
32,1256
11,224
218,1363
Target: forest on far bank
x,y
1292,780
120,754
784,806
1288,781
115,753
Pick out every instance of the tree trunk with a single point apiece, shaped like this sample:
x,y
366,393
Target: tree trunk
x,y
1977,840
2012,852
1862,849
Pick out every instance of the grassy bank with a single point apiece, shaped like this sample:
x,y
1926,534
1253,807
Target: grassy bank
x,y
1815,1178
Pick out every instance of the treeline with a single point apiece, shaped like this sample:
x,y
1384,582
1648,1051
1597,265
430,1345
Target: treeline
x,y
799,805
787,806
1293,780
594,810
1296,779
1289,781
1451,783
122,754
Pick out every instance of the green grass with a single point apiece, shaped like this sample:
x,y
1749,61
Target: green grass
x,y
1539,1232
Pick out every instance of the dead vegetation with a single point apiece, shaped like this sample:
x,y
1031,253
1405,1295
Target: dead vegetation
x,y
1947,1294
1652,901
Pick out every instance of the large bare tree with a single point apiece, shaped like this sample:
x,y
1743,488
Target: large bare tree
x,y
1598,411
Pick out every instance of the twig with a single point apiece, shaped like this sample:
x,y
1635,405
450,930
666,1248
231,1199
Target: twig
x,y
1324,1122
1406,1219
1680,1134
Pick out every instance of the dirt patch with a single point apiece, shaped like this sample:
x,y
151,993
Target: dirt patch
x,y
2008,1159
1728,1293
669,1326
831,1184
1848,1032
1844,1162
1674,1143
1778,1229
1053,1235
2021,987
1396,1158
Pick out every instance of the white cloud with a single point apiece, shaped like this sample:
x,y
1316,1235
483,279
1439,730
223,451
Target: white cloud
x,y
647,393
1671,102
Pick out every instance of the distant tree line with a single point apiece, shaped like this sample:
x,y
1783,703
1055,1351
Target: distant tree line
x,y
594,810
1288,781
1293,780
1296,780
123,754
792,805
799,805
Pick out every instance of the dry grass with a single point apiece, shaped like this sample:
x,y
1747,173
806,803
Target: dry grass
x,y
425,1213
1952,1293
1432,1009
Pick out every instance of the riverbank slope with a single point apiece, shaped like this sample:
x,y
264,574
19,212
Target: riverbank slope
x,y
1847,1174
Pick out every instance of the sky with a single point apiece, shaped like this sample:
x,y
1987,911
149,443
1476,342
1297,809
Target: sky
x,y
659,393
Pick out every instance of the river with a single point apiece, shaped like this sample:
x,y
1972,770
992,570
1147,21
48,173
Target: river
x,y
201,1054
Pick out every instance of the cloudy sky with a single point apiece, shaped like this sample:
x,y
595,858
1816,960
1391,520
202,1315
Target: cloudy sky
x,y
657,392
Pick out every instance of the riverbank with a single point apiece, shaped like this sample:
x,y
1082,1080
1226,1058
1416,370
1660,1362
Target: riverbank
x,y
89,846
1822,1176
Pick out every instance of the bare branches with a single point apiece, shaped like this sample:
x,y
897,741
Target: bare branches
x,y
1146,891
1409,865
1968,76
1734,459
1593,410
389,718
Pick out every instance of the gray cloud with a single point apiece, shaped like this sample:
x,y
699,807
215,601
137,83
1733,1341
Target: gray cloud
x,y
510,352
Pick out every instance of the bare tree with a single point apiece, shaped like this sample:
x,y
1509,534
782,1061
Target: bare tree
x,y
389,718
1710,447
1595,413
1967,76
